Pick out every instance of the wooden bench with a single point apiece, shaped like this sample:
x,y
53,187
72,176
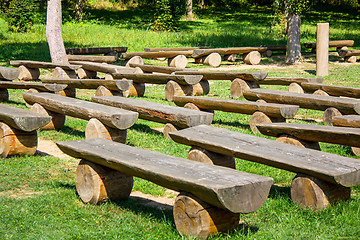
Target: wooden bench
x,y
92,58
96,50
175,84
273,48
306,135
333,106
339,44
169,49
29,70
261,112
349,55
227,75
332,90
175,58
90,69
18,135
322,178
210,199
104,121
174,117
159,69
103,87
352,121
34,86
7,73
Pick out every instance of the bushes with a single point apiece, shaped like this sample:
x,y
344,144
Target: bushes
x,y
168,14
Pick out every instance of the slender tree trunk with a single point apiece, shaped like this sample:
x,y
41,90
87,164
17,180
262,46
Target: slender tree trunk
x,y
202,4
78,10
53,32
293,52
189,13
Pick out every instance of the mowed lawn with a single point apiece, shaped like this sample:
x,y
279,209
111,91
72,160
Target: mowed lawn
x,y
38,198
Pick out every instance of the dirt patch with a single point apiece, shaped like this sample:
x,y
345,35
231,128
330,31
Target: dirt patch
x,y
162,203
47,147
19,193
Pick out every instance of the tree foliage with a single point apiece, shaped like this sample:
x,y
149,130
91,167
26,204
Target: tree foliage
x,y
168,14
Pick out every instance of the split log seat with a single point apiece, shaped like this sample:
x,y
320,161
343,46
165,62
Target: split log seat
x,y
175,84
332,90
92,58
211,197
160,69
261,112
174,117
18,135
339,44
322,178
104,87
273,48
5,85
7,73
349,55
226,75
96,50
306,135
332,106
104,121
29,70
352,121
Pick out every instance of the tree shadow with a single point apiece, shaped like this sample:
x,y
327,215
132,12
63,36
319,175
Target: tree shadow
x,y
232,124
72,131
277,192
146,129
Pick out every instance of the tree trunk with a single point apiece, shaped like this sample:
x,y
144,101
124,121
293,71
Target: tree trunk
x,y
189,13
293,52
53,32
78,10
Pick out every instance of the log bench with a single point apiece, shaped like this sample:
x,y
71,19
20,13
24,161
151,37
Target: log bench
x,y
332,106
174,117
261,112
273,48
18,135
112,51
322,178
175,84
306,135
29,70
332,90
349,55
210,198
103,87
104,121
34,86
159,69
175,58
352,121
339,44
212,56
92,58
7,73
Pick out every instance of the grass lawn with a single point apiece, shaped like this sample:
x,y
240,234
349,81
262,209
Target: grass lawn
x,y
38,198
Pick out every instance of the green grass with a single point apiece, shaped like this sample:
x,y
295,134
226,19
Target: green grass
x,y
38,198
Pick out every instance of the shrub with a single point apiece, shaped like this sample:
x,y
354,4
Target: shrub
x,y
168,15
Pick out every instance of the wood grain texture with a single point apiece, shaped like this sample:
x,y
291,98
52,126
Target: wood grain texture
x,y
222,75
7,73
328,167
213,59
308,101
110,116
22,119
347,121
333,90
160,78
238,106
158,112
37,64
222,187
116,85
226,51
252,58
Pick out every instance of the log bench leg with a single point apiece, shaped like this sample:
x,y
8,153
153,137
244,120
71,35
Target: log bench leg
x,y
174,89
179,61
252,58
311,192
356,151
195,218
169,127
202,88
268,53
67,92
96,129
86,74
28,74
192,106
298,142
201,155
96,184
57,119
329,113
238,85
320,92
103,91
260,117
213,59
296,88
4,95
136,90
58,72
16,142
135,59
350,59
230,57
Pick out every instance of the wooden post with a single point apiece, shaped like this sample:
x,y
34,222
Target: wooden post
x,y
57,121
4,95
322,49
96,129
179,61
96,184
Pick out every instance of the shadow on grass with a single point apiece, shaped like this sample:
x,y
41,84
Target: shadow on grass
x,y
24,51
145,128
277,192
71,131
232,124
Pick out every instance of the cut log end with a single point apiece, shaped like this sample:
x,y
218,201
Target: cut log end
x,y
298,142
239,85
202,88
205,156
96,184
174,89
135,59
329,113
169,128
179,61
195,218
86,74
96,129
136,90
310,192
230,57
4,95
252,58
296,88
28,74
356,151
57,119
350,59
320,92
260,117
60,73
268,53
213,59
103,91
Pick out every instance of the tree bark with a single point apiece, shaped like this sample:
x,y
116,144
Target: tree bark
x,y
293,52
78,10
53,32
189,13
